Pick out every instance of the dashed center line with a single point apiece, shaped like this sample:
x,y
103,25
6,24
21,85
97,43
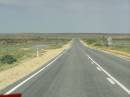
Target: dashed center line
x,y
109,75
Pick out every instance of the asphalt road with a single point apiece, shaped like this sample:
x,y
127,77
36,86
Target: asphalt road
x,y
77,72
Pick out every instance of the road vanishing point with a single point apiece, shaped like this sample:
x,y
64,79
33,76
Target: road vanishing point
x,y
79,71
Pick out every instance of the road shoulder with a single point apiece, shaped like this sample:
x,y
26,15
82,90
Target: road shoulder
x,y
117,53
9,76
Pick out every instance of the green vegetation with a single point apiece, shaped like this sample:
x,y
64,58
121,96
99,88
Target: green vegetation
x,y
96,41
117,43
8,59
18,52
15,49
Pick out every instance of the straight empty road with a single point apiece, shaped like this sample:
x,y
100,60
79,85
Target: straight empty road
x,y
78,72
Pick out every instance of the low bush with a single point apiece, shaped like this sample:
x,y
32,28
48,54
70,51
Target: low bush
x,y
8,59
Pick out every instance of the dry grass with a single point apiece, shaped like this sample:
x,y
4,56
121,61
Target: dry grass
x,y
116,52
11,75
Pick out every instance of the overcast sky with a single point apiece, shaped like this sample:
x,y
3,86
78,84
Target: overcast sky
x,y
109,16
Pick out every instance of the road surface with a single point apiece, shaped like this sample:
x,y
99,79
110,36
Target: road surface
x,y
77,72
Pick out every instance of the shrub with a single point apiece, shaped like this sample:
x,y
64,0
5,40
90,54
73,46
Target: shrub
x,y
9,59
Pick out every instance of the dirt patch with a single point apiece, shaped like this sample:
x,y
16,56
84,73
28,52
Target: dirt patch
x,y
25,49
11,75
125,54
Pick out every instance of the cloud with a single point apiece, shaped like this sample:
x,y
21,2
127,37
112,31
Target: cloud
x,y
94,14
8,2
70,5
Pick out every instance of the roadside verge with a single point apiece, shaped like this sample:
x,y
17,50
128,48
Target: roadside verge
x,y
11,75
121,54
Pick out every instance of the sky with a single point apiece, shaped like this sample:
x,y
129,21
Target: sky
x,y
55,16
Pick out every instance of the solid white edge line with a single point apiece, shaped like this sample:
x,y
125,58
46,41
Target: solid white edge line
x,y
108,74
98,69
107,52
114,79
110,80
92,62
110,53
30,77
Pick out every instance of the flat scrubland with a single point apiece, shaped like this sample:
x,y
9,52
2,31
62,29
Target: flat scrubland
x,y
11,75
120,45
24,50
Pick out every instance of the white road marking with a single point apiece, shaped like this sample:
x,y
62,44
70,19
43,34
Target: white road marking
x,y
30,77
107,52
92,62
120,56
111,81
98,69
108,74
110,53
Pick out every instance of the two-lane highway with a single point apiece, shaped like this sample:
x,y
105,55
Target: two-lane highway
x,y
79,73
